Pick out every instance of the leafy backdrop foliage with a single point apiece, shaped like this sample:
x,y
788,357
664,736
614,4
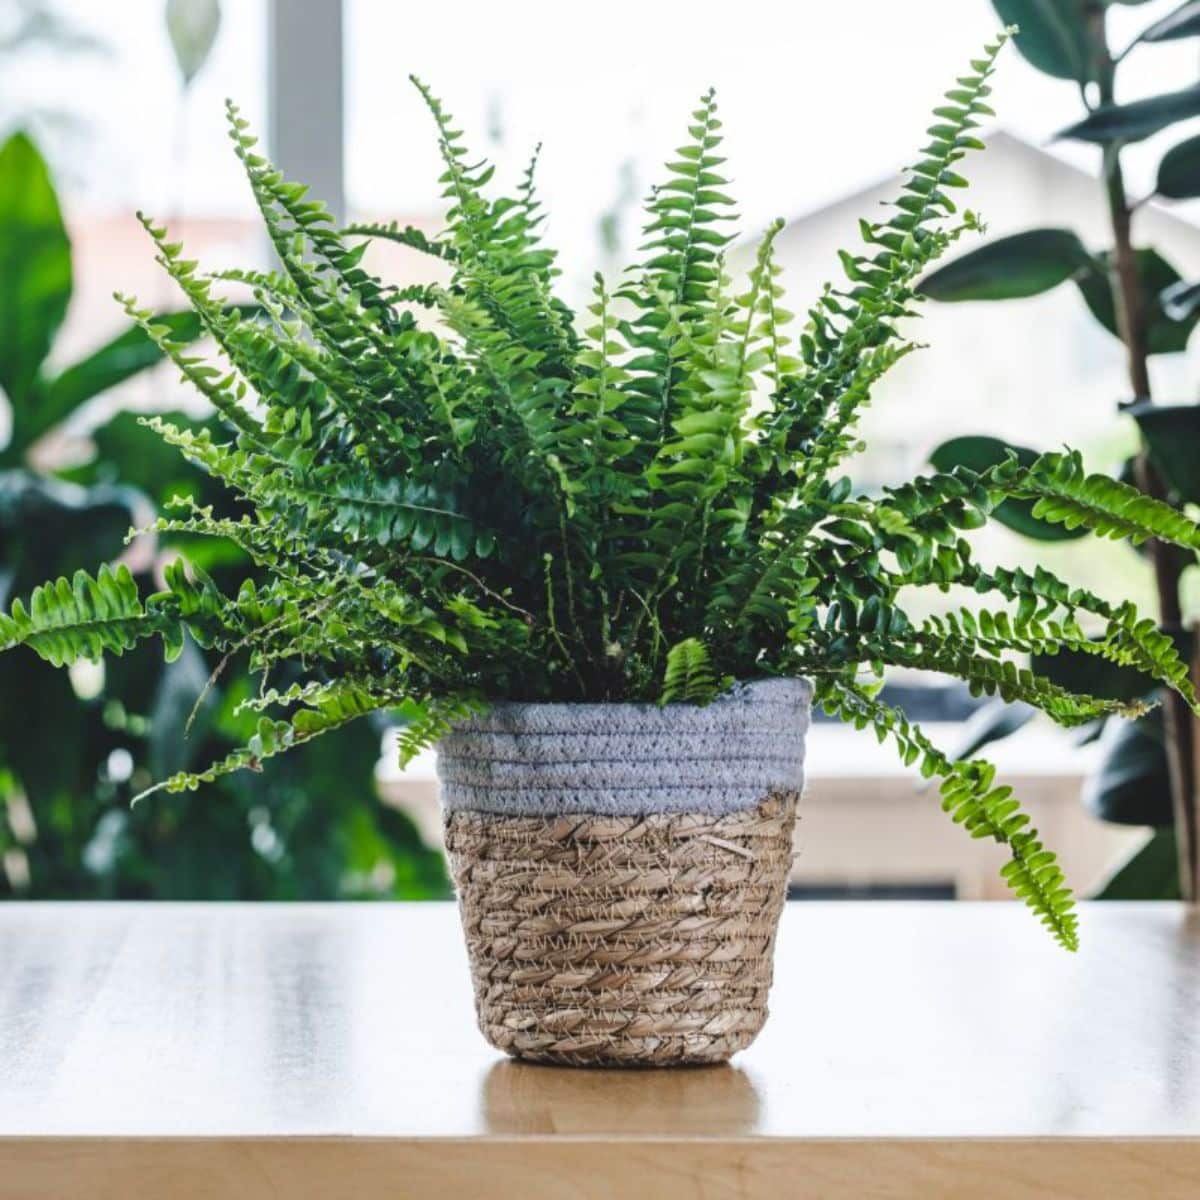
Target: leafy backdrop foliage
x,y
456,494
1149,772
310,831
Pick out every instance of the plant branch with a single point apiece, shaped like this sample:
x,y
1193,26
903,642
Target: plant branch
x,y
1168,561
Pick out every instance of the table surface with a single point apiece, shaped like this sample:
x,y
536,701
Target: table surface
x,y
889,1021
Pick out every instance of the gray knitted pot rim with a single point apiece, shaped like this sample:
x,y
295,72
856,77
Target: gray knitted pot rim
x,y
523,759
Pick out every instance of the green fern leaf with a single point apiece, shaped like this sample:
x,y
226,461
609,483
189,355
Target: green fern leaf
x,y
971,800
86,617
689,676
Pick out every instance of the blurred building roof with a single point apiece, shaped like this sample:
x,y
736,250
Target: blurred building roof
x,y
1015,185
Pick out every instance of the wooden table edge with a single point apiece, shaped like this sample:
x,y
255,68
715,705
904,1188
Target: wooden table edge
x,y
500,1166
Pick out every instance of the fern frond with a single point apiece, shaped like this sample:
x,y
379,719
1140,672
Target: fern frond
x,y
689,676
86,617
1067,495
325,710
971,800
764,342
1127,638
972,660
470,214
362,507
221,390
846,344
296,693
530,399
304,235
407,235
676,282
265,543
602,437
428,721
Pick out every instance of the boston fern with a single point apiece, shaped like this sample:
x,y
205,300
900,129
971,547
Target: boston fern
x,y
461,493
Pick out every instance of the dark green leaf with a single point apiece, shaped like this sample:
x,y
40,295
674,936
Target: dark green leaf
x,y
1179,171
1092,675
1165,335
173,746
1010,268
1182,22
978,453
993,722
1150,873
1132,786
35,276
142,458
48,527
1135,121
1053,36
111,364
1172,434
55,762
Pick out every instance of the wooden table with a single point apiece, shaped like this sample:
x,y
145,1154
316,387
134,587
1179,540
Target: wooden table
x,y
939,1050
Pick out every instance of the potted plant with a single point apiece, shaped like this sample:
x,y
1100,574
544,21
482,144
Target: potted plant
x,y
606,570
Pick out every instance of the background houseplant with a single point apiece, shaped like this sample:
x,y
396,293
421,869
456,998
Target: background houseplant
x,y
1149,776
649,509
73,751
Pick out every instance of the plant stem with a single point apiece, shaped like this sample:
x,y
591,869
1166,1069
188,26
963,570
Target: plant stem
x,y
1178,724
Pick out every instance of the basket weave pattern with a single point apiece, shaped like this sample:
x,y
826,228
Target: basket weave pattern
x,y
609,940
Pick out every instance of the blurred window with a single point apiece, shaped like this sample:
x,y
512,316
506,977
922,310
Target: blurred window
x,y
100,89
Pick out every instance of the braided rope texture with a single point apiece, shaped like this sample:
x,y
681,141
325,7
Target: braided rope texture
x,y
617,940
534,759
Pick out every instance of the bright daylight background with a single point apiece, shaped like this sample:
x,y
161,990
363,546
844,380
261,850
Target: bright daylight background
x,y
822,105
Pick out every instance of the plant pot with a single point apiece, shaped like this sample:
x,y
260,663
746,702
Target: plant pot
x,y
621,869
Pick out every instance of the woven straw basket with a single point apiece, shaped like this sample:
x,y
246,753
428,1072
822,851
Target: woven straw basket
x,y
621,870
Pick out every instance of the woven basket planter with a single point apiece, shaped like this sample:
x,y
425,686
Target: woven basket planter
x,y
621,870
